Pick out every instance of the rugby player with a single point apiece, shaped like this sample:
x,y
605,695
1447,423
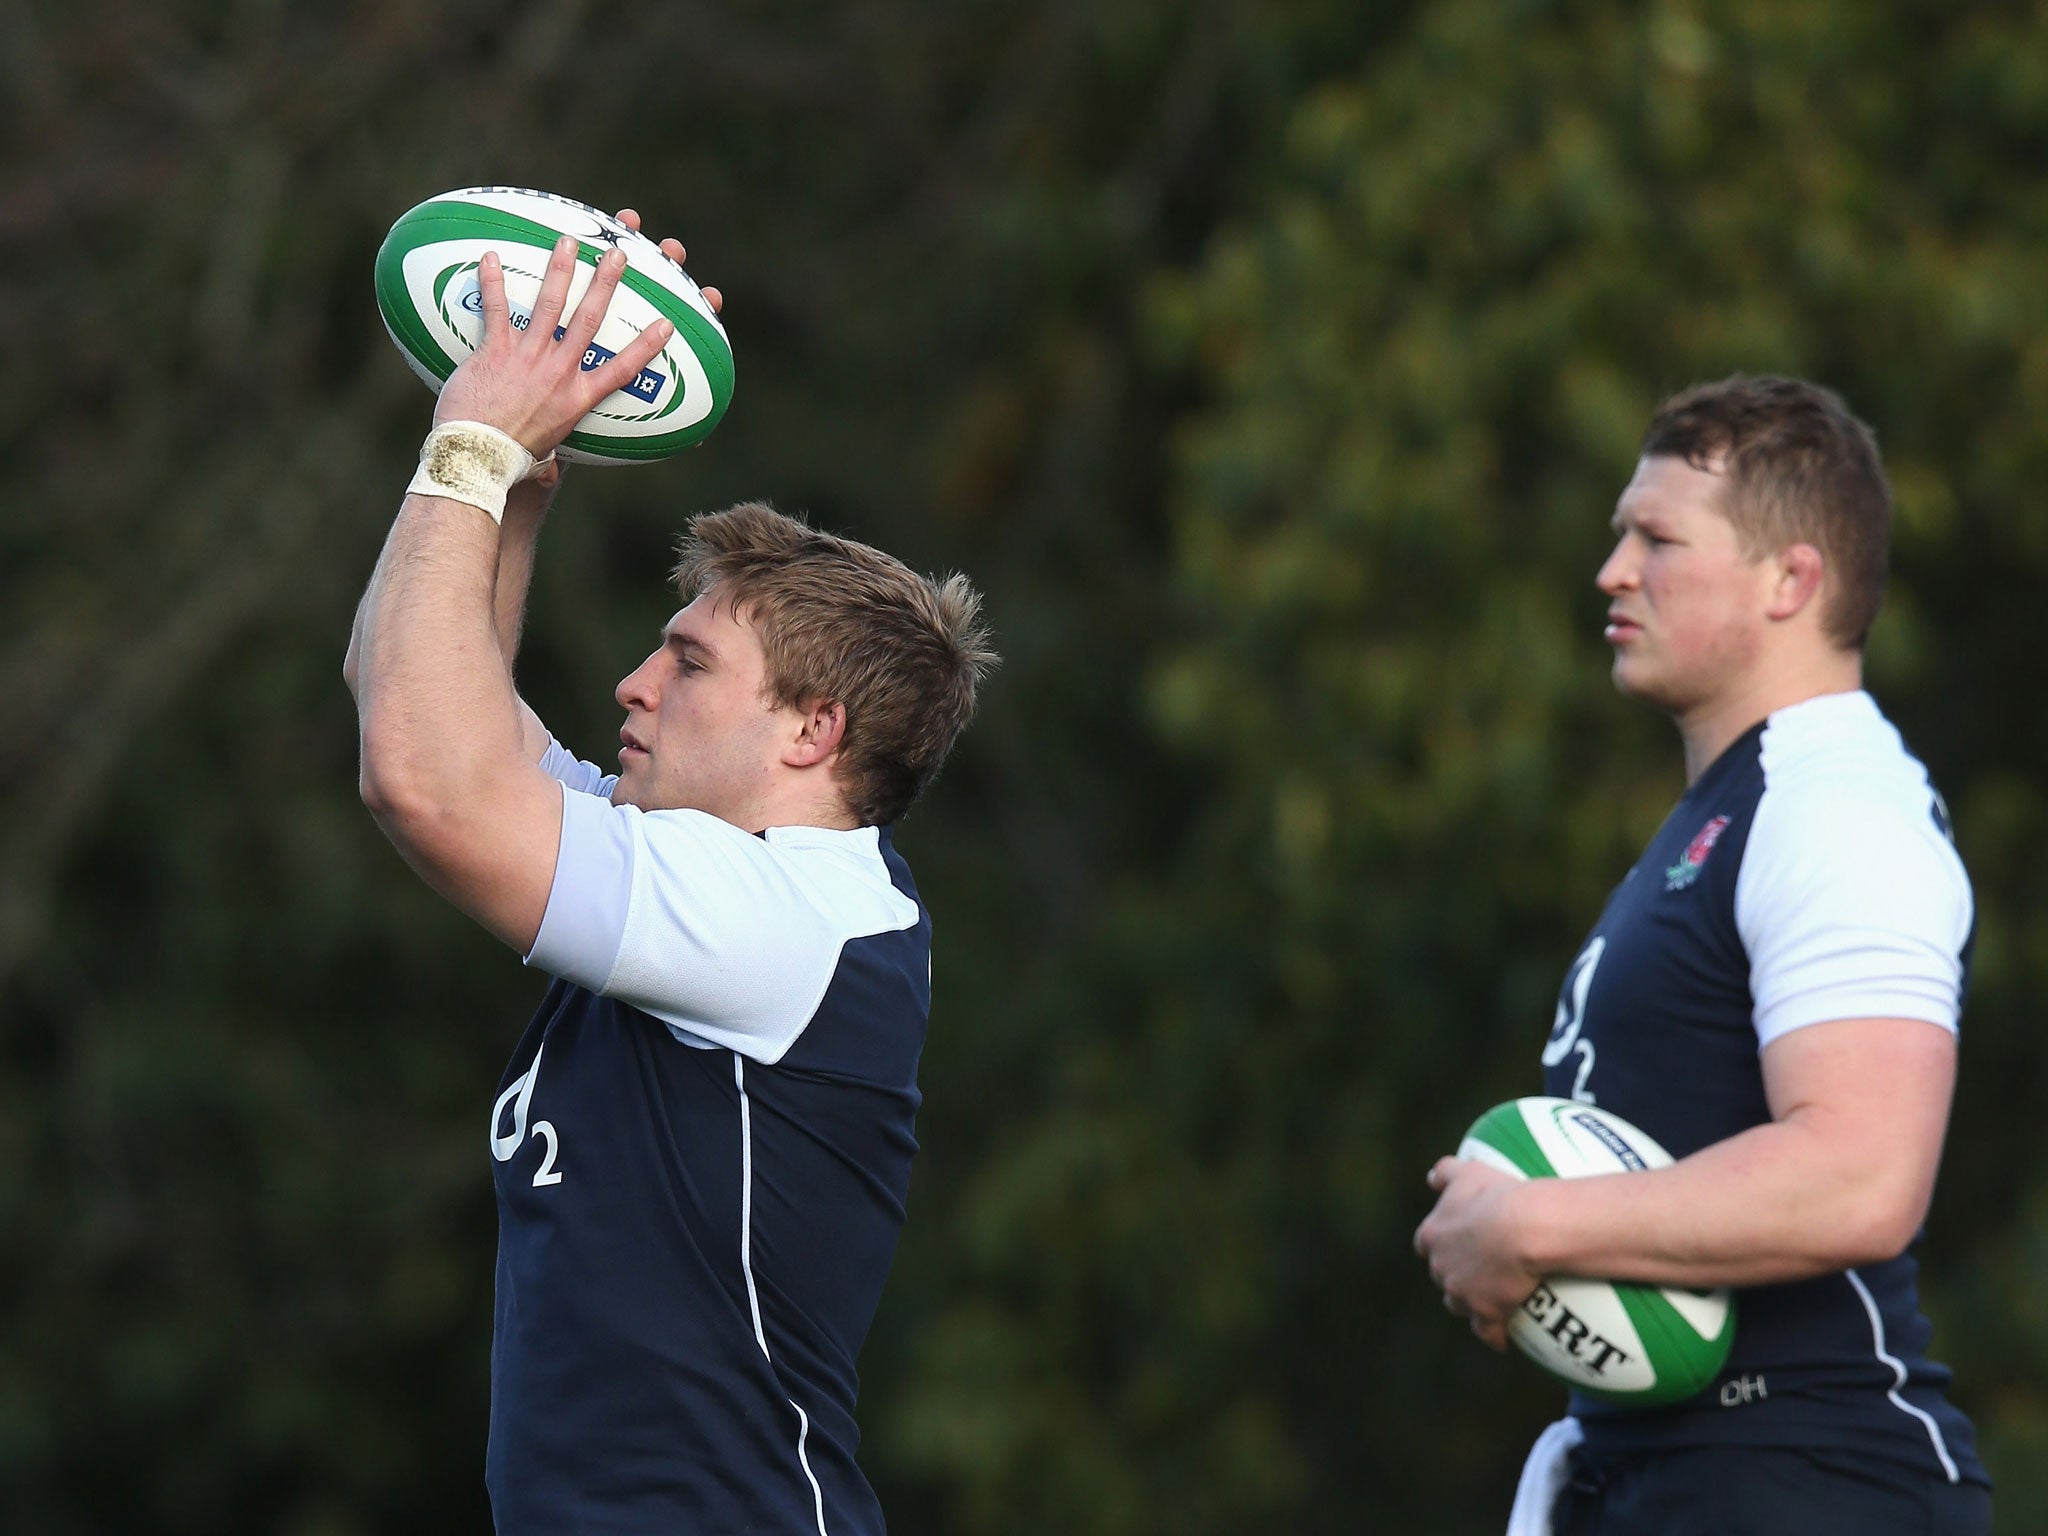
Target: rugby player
x,y
1772,993
702,1144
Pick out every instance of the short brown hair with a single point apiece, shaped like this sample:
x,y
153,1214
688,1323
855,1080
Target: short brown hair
x,y
1801,470
842,621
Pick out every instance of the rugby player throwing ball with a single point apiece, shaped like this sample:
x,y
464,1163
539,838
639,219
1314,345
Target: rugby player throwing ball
x,y
702,1144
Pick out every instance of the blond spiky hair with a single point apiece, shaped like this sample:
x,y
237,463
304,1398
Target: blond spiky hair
x,y
841,620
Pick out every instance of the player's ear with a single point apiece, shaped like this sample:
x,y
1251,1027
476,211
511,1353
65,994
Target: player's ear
x,y
819,734
1797,575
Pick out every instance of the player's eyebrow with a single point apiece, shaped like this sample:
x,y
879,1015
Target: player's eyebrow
x,y
1621,522
676,640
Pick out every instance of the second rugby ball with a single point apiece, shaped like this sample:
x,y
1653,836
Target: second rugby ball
x,y
1620,1342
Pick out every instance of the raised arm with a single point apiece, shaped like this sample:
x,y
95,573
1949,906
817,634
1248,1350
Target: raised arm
x,y
526,507
446,768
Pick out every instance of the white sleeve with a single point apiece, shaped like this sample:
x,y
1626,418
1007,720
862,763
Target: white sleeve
x,y
729,938
1850,906
559,763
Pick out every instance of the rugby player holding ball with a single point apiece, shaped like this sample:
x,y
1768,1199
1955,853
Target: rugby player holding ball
x,y
1772,993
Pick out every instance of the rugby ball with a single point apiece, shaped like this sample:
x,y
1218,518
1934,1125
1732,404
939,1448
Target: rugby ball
x,y
427,293
1619,1342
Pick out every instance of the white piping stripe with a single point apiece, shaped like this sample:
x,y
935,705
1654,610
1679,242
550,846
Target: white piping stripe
x,y
1899,1372
803,1420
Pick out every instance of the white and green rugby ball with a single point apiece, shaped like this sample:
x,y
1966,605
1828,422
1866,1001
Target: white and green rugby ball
x,y
427,293
1620,1342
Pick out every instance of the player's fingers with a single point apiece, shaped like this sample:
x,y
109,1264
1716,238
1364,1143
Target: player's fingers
x,y
630,217
554,287
597,298
1440,1173
1425,1244
490,289
672,248
1492,1334
618,372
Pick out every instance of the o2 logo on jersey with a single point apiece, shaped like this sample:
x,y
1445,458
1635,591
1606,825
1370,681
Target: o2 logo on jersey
x,y
1565,1028
520,1096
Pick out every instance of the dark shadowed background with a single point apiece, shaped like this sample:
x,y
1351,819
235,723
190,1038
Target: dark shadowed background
x,y
1273,367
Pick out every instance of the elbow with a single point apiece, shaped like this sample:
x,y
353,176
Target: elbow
x,y
394,802
1882,1230
383,795
422,803
1893,1238
398,795
416,821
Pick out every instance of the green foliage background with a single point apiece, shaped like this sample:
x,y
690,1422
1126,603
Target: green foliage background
x,y
1273,367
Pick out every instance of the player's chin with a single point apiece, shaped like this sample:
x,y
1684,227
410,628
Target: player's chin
x,y
1636,679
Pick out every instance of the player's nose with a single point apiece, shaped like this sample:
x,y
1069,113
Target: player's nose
x,y
1618,574
637,689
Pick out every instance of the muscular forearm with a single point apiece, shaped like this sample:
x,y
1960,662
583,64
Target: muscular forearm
x,y
1841,1175
434,694
1784,1201
526,505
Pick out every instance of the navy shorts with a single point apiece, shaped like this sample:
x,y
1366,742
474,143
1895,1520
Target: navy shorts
x,y
1753,1490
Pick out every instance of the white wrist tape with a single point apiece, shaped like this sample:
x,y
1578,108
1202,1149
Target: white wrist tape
x,y
470,462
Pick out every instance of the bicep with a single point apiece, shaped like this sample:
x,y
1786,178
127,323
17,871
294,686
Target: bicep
x,y
1874,1095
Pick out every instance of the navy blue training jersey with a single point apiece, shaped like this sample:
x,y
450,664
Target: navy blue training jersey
x,y
1806,876
702,1151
